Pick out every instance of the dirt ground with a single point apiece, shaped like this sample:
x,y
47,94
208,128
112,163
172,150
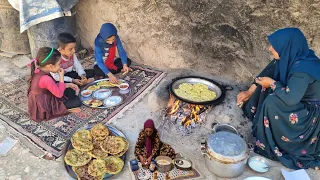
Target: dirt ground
x,y
21,164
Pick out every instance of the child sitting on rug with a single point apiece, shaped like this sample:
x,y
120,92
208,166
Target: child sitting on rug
x,y
44,94
108,46
74,72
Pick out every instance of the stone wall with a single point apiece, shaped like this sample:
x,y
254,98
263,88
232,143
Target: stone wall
x,y
221,37
10,38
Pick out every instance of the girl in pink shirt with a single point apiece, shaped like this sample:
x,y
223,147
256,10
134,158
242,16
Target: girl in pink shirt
x,y
46,98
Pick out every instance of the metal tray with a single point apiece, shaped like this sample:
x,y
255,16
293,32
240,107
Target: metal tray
x,y
212,85
115,92
114,131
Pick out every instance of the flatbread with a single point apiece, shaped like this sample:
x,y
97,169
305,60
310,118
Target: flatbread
x,y
82,140
108,84
75,157
82,173
125,149
93,103
113,144
97,167
114,165
99,132
97,152
93,87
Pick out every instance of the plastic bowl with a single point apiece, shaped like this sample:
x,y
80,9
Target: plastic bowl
x,y
123,86
86,93
259,164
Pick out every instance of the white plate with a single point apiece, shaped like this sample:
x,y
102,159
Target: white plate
x,y
112,101
256,178
102,93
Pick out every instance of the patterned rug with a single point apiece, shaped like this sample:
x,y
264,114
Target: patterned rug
x,y
50,136
174,174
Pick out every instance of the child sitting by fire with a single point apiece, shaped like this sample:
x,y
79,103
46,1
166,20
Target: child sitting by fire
x,y
74,72
149,145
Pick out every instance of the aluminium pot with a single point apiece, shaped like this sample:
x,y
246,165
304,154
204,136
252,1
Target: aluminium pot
x,y
164,167
225,154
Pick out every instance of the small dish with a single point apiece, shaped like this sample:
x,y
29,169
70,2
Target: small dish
x,y
123,86
112,101
259,164
102,93
183,164
86,93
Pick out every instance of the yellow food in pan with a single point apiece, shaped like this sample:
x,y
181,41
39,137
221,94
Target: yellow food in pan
x,y
195,92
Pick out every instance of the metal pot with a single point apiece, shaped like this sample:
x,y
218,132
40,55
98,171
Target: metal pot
x,y
225,154
164,167
224,127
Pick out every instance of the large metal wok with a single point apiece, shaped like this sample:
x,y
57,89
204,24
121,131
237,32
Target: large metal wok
x,y
213,86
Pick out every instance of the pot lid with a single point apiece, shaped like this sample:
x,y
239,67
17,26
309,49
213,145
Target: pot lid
x,y
227,147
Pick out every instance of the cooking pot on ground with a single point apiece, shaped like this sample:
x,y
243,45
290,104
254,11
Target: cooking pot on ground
x,y
225,154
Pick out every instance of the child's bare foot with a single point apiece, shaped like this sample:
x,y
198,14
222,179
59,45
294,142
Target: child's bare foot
x,y
74,110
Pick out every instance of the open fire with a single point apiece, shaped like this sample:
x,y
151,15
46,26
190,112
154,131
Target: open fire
x,y
186,116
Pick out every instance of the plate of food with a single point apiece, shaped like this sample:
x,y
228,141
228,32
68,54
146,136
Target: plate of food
x,y
103,89
95,153
94,103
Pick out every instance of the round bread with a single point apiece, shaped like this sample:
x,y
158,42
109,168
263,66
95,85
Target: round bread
x,y
97,167
82,173
75,157
125,149
114,165
82,140
113,144
97,152
99,132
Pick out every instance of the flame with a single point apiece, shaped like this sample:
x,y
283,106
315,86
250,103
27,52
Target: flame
x,y
190,111
173,105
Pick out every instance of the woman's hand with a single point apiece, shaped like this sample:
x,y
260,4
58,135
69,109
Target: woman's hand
x,y
149,160
243,96
112,78
126,69
143,160
265,82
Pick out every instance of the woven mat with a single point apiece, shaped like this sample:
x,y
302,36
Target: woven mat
x,y
50,136
174,174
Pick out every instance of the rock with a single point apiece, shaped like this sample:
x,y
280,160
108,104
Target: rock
x,y
27,169
11,40
21,61
221,38
8,54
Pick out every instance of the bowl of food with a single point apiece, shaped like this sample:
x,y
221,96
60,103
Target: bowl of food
x,y
259,164
102,93
123,86
164,164
86,93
